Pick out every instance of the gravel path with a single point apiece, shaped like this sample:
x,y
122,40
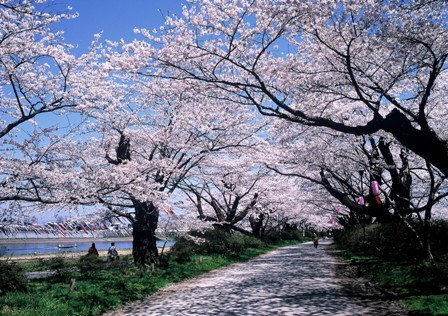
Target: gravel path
x,y
294,280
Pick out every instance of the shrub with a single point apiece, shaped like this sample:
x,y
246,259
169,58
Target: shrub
x,y
439,240
58,264
183,250
238,242
391,241
350,238
292,234
430,277
394,241
213,241
219,241
88,266
164,261
12,277
271,236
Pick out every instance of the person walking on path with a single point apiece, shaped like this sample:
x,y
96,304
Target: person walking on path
x,y
294,280
315,240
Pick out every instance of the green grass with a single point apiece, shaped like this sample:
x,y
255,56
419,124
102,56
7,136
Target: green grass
x,y
428,304
421,286
99,288
46,264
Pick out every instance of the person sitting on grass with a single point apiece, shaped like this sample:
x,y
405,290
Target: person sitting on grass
x,y
92,252
112,253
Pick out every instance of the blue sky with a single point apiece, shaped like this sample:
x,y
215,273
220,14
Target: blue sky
x,y
115,18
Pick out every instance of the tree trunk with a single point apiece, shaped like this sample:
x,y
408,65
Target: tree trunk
x,y
425,143
225,227
256,223
144,247
400,192
426,236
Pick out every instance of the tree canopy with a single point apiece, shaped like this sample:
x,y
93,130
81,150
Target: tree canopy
x,y
237,114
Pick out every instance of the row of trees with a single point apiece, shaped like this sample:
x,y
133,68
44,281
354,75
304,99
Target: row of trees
x,y
351,98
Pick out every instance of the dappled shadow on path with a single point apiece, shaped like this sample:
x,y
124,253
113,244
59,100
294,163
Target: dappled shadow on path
x,y
295,280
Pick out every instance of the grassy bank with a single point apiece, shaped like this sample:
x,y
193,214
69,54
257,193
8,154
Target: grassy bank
x,y
422,287
99,287
390,255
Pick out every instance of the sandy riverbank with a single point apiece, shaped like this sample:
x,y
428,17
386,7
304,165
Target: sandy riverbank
x,y
69,255
66,255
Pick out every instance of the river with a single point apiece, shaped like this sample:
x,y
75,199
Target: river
x,y
36,247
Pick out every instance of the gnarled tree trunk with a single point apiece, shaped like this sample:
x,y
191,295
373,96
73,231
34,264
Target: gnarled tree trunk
x,y
426,236
144,247
257,225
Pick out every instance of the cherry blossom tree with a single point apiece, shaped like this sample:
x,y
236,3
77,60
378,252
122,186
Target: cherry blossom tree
x,y
128,142
225,191
394,184
142,137
180,107
356,67
35,67
237,193
39,85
